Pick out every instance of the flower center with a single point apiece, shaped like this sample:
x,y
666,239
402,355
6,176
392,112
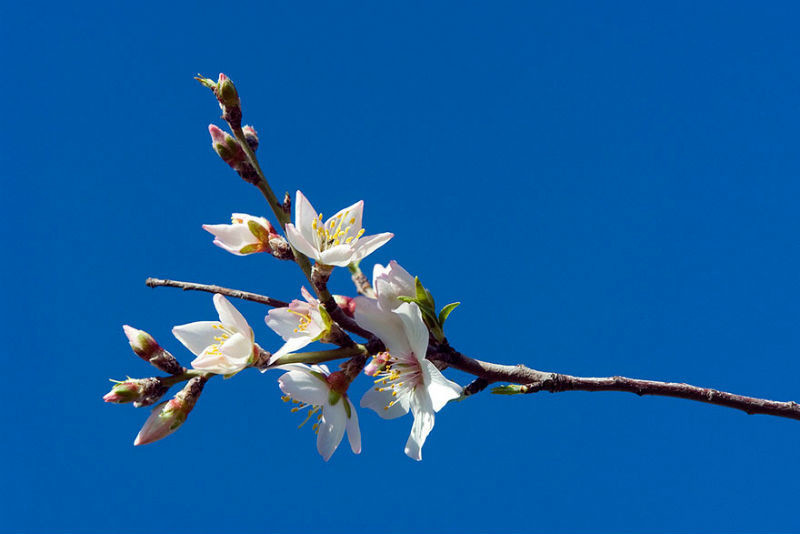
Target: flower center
x,y
315,409
304,320
224,334
336,231
400,377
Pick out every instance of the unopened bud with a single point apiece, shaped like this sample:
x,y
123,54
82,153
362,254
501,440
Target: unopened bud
x,y
280,247
150,351
228,98
377,364
347,304
232,153
168,416
251,136
139,391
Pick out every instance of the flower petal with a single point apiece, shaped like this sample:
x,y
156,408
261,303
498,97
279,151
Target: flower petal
x,y
298,241
414,328
386,325
378,401
304,216
353,432
197,336
391,282
331,429
440,389
230,317
337,255
291,345
369,244
347,220
238,348
423,424
283,322
214,362
304,387
231,237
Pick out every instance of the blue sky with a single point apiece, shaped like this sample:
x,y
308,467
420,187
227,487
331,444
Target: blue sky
x,y
608,190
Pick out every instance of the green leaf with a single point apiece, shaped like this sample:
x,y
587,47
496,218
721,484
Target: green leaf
x,y
258,231
422,294
408,299
445,312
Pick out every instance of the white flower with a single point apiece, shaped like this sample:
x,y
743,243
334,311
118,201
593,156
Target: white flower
x,y
298,324
245,235
324,393
338,241
408,380
391,282
223,347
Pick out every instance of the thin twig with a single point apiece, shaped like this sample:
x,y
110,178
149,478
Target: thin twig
x,y
533,381
235,293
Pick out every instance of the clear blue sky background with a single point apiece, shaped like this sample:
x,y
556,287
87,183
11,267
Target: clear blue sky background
x,y
607,190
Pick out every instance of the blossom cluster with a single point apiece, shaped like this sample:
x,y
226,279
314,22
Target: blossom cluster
x,y
393,311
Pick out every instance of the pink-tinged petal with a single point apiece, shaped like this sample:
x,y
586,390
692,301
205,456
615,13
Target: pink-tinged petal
x,y
238,348
230,316
414,328
301,385
197,336
440,389
304,216
291,345
331,429
367,245
423,424
156,427
353,432
378,401
214,362
311,299
350,220
337,255
386,325
298,241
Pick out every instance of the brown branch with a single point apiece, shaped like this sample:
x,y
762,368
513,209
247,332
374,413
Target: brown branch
x,y
235,293
532,381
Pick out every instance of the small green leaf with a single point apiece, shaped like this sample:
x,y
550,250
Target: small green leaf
x,y
420,289
445,312
258,231
249,249
407,299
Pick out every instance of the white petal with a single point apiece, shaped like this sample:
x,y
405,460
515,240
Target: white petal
x,y
231,236
353,432
197,336
291,345
350,213
337,255
215,362
304,216
378,401
440,389
304,387
238,348
367,245
299,242
230,317
283,322
386,325
392,282
423,424
331,429
414,328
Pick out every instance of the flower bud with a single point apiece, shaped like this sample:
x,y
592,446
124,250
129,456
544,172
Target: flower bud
x,y
232,153
251,136
377,364
347,304
228,98
150,351
168,416
139,391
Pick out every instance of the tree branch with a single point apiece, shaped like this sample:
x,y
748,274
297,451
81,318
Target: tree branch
x,y
235,293
532,381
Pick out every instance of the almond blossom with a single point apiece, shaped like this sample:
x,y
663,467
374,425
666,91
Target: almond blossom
x,y
224,347
298,324
391,282
338,240
325,395
245,235
406,379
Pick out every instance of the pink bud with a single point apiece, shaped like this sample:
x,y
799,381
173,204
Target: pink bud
x,y
377,364
168,416
347,304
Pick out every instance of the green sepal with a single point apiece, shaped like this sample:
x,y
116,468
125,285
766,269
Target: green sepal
x,y
250,249
445,312
258,231
334,397
320,376
509,389
347,408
